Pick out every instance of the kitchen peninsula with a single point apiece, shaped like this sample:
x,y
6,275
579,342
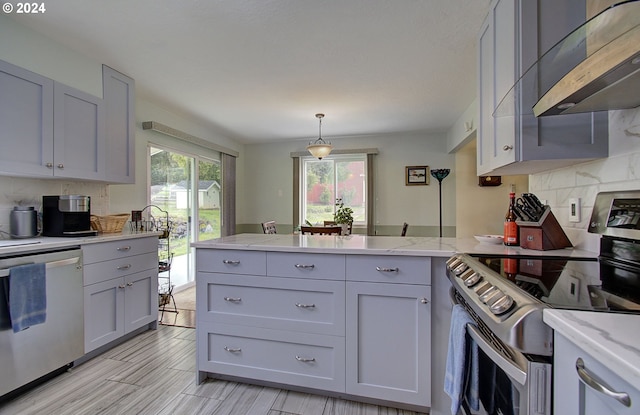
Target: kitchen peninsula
x,y
364,317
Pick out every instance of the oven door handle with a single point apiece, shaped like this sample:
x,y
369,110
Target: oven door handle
x,y
509,368
54,264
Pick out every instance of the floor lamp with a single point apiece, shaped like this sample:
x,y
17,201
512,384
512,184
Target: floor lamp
x,y
440,174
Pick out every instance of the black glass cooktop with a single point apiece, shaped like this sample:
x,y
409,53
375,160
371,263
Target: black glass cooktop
x,y
581,284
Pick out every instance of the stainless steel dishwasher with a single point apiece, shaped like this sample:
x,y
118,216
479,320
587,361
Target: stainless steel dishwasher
x,y
44,348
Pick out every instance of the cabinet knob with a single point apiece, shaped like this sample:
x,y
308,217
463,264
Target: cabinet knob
x,y
507,147
61,166
424,301
129,284
49,165
121,286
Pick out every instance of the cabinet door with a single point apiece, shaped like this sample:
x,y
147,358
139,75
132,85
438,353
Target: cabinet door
x,y
505,146
577,397
79,139
103,313
26,120
120,126
485,137
388,342
141,299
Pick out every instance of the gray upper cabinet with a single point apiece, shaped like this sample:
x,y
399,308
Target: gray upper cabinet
x,y
119,100
48,129
511,140
26,122
78,134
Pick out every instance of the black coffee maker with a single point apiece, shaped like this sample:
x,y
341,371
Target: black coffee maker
x,y
66,215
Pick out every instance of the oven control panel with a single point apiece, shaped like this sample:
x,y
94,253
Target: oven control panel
x,y
513,315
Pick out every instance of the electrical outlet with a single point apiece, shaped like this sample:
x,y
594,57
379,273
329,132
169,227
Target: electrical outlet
x,y
574,210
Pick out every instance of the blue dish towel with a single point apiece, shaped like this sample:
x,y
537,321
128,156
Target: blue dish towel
x,y
456,366
27,296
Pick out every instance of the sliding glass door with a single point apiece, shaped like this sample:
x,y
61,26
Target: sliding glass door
x,y
187,187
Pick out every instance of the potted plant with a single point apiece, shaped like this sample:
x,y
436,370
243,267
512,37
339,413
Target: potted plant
x,y
343,216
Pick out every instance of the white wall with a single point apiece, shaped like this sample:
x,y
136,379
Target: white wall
x,y
620,171
481,210
268,189
24,47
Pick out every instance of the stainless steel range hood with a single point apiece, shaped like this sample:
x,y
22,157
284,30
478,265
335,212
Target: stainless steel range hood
x,y
595,68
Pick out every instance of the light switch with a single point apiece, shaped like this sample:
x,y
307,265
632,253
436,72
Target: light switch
x,y
574,210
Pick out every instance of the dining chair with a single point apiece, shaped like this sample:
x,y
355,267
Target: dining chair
x,y
269,227
333,223
404,229
321,230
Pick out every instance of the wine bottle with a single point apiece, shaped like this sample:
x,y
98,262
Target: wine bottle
x,y
511,231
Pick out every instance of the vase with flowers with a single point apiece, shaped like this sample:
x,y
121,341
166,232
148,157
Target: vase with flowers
x,y
343,216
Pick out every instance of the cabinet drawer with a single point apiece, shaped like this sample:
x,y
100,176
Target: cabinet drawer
x,y
106,270
307,306
231,261
105,251
300,359
392,269
303,265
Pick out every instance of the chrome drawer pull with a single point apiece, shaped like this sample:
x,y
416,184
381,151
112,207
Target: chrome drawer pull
x,y
124,267
303,266
124,248
381,269
424,301
230,262
589,380
232,350
305,305
233,299
305,359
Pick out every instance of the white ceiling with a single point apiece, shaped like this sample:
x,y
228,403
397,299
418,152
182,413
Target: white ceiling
x,y
259,70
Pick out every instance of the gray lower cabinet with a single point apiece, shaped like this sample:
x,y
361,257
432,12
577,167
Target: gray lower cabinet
x,y
119,99
345,324
389,342
575,396
120,289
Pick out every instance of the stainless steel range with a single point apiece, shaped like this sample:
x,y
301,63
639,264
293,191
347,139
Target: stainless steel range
x,y
506,295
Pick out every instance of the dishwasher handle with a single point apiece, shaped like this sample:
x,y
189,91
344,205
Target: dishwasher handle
x,y
53,264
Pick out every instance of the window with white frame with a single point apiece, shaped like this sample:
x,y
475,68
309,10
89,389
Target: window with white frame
x,y
334,177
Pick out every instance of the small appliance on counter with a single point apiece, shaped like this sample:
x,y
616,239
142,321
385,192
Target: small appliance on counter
x,y
23,222
67,215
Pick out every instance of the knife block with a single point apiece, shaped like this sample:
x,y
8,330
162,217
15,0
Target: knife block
x,y
544,234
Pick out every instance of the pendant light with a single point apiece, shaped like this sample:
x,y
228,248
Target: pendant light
x,y
319,148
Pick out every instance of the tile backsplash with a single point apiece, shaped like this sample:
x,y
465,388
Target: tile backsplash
x,y
620,171
19,191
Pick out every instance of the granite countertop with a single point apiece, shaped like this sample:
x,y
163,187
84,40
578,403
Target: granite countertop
x,y
612,338
21,246
378,245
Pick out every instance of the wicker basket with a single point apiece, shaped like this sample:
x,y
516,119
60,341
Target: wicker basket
x,y
109,223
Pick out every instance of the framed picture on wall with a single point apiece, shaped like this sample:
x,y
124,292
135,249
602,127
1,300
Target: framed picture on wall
x,y
416,175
